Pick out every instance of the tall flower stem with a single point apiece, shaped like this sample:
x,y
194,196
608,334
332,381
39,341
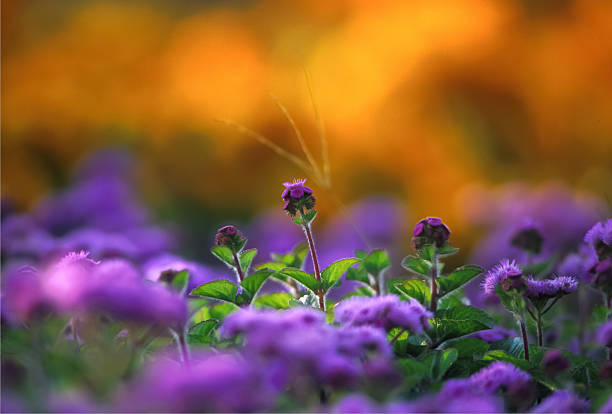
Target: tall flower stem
x,y
434,285
525,340
237,267
539,328
315,261
183,348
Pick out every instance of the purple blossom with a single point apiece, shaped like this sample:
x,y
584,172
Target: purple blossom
x,y
550,288
356,403
497,333
430,230
579,265
607,407
297,197
383,311
604,334
562,401
211,383
22,298
499,275
21,237
528,236
500,375
601,232
295,189
199,274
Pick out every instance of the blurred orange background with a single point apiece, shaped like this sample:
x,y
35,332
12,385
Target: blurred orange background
x,y
425,100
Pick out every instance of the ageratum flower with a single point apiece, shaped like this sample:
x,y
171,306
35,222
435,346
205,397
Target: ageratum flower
x,y
300,341
297,197
497,333
507,274
562,401
356,403
602,275
22,298
599,237
554,362
386,312
528,237
501,375
604,334
429,231
231,237
579,265
550,288
218,383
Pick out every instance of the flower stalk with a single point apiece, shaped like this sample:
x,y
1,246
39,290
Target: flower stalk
x,y
315,261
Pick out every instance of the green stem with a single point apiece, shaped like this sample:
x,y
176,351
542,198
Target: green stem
x,y
539,327
434,285
315,261
238,267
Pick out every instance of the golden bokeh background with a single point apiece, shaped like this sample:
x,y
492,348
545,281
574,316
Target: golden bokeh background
x,y
425,100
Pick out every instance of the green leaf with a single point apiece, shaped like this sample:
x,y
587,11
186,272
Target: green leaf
x,y
275,266
201,333
376,262
471,348
278,300
413,371
310,216
302,277
180,281
452,299
298,221
458,278
428,253
511,346
407,344
416,289
359,274
360,291
360,254
446,250
600,314
417,265
224,254
334,271
221,310
246,258
512,300
299,254
253,282
218,289
442,362
458,321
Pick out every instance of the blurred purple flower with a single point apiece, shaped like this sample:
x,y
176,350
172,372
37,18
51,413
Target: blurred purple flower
x,y
198,274
562,401
22,297
219,383
554,362
356,403
495,334
604,334
500,375
386,312
22,238
579,264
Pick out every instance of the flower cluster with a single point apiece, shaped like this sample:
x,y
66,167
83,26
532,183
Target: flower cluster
x,y
230,236
507,274
430,230
297,197
550,288
386,312
528,237
562,401
599,237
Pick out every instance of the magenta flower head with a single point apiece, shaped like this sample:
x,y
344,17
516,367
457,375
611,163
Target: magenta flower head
x,y
507,274
604,334
550,288
599,237
297,197
230,236
430,230
528,237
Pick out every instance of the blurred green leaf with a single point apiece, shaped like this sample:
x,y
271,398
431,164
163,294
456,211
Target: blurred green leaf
x,y
376,262
417,265
180,281
334,271
218,289
201,333
278,300
428,253
446,250
458,278
416,289
358,274
246,258
458,321
302,277
472,348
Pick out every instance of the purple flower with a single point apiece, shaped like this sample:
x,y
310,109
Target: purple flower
x,y
21,237
579,265
604,334
356,403
163,264
387,312
506,273
562,401
607,407
599,235
500,375
554,362
297,197
430,230
211,383
495,334
602,278
22,298
550,288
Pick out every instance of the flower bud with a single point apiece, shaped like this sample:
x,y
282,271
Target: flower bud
x,y
429,231
230,236
297,197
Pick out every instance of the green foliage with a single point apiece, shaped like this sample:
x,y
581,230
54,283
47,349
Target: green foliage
x,y
217,289
224,254
306,279
513,301
457,279
359,274
280,300
417,265
334,271
202,333
253,282
376,262
457,321
180,281
416,289
245,258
